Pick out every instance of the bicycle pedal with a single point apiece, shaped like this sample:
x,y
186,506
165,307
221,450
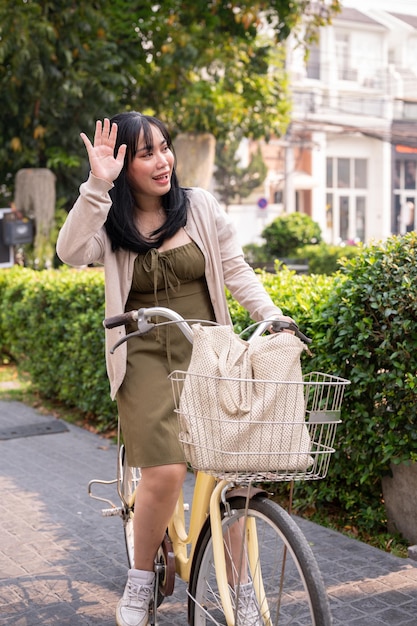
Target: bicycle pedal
x,y
111,512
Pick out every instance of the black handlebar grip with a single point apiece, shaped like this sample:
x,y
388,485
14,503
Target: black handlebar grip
x,y
120,320
279,325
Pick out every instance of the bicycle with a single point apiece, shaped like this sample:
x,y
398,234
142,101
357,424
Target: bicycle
x,y
273,556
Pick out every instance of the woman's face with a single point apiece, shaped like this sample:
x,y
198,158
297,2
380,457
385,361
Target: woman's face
x,y
149,172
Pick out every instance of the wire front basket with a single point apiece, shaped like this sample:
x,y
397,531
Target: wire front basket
x,y
285,432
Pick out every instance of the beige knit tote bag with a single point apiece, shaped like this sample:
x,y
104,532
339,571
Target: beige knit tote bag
x,y
242,404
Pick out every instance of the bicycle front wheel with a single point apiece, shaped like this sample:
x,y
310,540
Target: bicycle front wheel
x,y
275,563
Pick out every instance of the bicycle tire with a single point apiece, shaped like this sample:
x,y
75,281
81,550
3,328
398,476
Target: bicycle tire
x,y
294,594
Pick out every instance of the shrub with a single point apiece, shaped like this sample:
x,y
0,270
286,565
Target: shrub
x,y
369,335
51,324
288,232
363,321
255,253
324,258
302,297
5,354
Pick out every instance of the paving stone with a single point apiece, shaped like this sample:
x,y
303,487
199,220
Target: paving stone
x,y
62,563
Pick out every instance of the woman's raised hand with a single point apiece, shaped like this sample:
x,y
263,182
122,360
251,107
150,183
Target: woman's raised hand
x,y
103,163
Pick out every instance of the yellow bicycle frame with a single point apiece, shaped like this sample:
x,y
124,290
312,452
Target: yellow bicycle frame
x,y
177,531
207,501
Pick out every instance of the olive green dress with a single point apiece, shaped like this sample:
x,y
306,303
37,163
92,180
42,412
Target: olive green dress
x,y
175,279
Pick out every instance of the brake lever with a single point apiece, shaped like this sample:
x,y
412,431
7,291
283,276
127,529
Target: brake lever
x,y
279,325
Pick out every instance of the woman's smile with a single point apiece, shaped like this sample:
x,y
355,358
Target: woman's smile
x,y
149,172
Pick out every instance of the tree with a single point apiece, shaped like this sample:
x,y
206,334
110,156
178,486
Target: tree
x,y
214,66
58,72
288,232
199,65
252,176
233,180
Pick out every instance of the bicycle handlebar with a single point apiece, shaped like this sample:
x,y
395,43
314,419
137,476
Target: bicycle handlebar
x,y
279,325
142,317
120,320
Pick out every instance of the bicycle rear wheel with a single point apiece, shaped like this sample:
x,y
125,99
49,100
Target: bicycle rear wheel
x,y
287,583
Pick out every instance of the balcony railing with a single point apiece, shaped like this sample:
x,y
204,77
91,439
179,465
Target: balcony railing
x,y
308,102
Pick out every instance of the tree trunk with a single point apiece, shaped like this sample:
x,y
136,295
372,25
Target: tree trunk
x,y
35,197
195,154
400,500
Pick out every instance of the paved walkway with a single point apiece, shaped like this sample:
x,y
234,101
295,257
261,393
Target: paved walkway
x,y
61,563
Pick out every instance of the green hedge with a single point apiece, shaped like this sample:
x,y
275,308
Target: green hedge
x,y
363,321
364,326
368,334
300,296
324,258
51,325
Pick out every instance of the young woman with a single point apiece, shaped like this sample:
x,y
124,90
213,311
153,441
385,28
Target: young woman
x,y
160,245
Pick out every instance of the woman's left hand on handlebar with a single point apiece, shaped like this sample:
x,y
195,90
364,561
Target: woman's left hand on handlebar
x,y
285,324
287,320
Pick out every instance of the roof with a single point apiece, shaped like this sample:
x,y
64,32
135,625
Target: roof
x,y
353,15
411,20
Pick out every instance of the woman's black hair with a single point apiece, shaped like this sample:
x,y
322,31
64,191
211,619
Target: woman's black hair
x,y
120,224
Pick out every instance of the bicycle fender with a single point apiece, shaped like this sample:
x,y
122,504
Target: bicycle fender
x,y
246,492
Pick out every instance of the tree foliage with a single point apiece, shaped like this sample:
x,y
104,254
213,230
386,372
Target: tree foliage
x,y
233,180
252,176
58,71
201,66
214,66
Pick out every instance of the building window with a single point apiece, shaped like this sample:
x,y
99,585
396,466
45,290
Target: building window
x,y
329,212
409,111
360,217
361,174
329,173
410,175
313,62
405,195
343,173
346,199
345,71
344,218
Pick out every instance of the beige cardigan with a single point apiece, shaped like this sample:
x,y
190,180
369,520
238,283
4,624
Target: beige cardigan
x,y
83,240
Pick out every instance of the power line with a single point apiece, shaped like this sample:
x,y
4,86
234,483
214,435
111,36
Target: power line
x,y
391,135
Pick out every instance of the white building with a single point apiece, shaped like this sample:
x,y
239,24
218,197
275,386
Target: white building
x,y
349,158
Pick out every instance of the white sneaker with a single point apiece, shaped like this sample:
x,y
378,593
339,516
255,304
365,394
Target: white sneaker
x,y
248,611
133,608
